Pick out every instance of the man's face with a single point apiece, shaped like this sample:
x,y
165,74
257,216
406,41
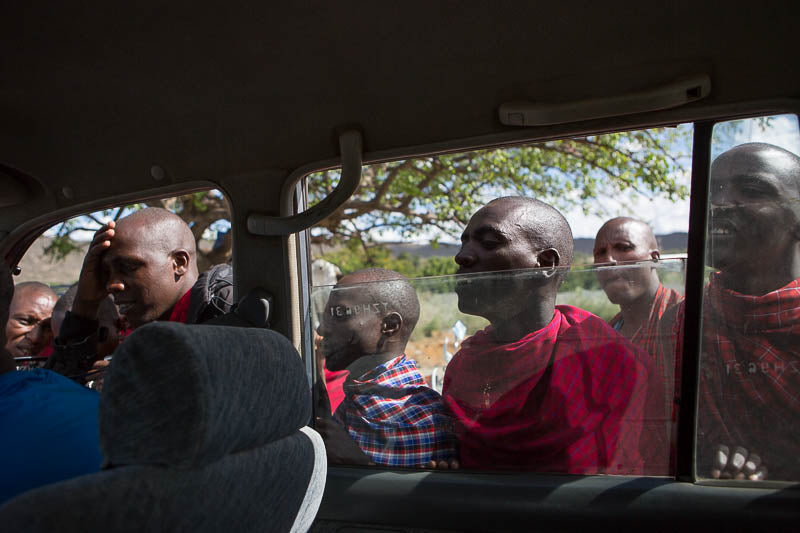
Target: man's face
x,y
350,327
618,242
754,211
28,328
140,277
494,241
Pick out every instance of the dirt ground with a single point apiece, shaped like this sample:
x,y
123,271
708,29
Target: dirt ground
x,y
428,351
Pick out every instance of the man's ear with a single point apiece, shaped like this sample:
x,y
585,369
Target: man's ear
x,y
180,263
391,324
549,258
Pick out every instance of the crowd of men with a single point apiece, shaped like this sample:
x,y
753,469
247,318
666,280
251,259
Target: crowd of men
x,y
545,387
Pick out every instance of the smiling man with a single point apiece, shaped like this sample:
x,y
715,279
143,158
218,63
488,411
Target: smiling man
x,y
545,388
388,410
750,379
147,263
28,329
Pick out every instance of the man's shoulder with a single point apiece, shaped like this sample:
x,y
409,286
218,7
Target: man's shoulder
x,y
576,320
34,388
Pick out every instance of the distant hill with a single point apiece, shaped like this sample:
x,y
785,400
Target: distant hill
x,y
672,242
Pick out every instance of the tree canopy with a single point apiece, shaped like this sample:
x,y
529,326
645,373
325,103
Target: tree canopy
x,y
415,196
434,196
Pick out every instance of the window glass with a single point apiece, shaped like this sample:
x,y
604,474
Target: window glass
x,y
142,286
505,309
749,402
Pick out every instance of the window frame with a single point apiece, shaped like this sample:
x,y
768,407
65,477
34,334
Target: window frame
x,y
703,124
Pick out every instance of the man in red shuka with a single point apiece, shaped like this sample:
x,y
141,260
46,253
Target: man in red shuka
x,y
544,388
749,402
629,248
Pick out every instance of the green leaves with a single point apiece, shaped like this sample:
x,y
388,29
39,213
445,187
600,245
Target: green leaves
x,y
434,196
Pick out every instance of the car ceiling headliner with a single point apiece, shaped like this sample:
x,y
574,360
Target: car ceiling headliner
x,y
94,90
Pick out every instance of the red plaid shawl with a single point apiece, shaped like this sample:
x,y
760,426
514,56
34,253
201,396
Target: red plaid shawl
x,y
647,337
395,418
567,398
750,375
660,414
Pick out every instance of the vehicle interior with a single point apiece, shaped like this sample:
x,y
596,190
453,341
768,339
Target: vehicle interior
x,y
109,105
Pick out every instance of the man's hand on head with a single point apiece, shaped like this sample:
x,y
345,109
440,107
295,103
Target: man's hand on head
x,y
92,283
737,463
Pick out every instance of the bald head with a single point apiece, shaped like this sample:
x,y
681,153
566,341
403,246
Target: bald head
x,y
754,233
380,285
368,319
513,233
150,264
543,224
28,330
636,230
159,228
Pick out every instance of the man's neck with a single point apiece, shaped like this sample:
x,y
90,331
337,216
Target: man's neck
x,y
637,312
760,275
369,362
760,283
530,319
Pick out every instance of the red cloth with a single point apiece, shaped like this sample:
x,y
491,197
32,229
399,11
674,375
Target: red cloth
x,y
657,442
567,398
647,337
180,313
334,382
47,352
750,376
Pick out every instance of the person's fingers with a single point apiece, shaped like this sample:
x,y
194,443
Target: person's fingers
x,y
102,363
454,464
430,465
761,475
740,475
726,474
738,459
721,457
716,473
751,465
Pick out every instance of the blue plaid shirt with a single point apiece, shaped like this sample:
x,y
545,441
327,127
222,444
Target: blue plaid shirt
x,y
395,418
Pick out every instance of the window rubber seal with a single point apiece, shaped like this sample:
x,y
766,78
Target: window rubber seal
x,y
686,465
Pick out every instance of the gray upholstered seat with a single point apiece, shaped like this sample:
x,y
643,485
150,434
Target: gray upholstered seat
x,y
201,429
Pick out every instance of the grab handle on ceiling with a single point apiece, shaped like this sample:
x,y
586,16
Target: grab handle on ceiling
x,y
674,94
350,148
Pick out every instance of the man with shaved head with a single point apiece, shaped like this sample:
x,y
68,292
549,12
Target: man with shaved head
x,y
749,403
626,250
147,262
388,411
625,243
544,387
28,330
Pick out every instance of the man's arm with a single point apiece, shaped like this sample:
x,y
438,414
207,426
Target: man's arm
x,y
75,348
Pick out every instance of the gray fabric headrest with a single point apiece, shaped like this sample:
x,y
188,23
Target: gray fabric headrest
x,y
186,396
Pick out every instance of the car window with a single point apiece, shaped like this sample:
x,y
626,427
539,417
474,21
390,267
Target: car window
x,y
50,269
748,416
502,309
